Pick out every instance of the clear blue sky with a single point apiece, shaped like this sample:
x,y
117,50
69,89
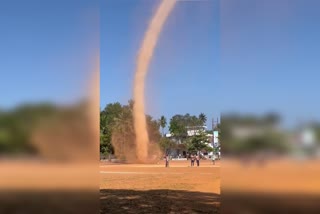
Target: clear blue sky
x,y
270,57
46,49
183,74
213,56
217,56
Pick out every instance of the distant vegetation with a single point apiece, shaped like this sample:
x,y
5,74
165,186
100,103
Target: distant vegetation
x,y
116,127
46,130
17,125
261,134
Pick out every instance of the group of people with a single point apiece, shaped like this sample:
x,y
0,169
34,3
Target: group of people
x,y
194,158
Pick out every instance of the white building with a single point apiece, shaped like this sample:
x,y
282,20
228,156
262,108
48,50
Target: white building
x,y
195,130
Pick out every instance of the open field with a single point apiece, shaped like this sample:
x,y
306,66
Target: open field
x,y
287,186
134,188
32,187
280,186
276,176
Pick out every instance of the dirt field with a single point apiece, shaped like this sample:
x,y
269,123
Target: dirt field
x,y
133,188
279,186
32,187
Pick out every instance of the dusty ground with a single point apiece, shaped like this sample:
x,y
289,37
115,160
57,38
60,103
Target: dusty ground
x,y
279,186
275,176
155,189
32,187
39,176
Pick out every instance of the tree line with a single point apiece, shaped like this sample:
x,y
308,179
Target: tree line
x,y
17,125
116,121
47,131
264,135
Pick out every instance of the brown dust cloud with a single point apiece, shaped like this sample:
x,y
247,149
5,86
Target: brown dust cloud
x,y
143,61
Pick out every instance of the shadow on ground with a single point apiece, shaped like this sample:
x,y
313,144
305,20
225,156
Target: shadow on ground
x,y
158,201
263,203
49,202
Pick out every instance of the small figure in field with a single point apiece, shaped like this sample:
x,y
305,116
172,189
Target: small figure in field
x,y
192,159
198,159
213,159
167,160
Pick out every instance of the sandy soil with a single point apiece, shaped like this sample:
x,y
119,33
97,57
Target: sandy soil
x,y
135,188
32,187
34,175
278,186
275,176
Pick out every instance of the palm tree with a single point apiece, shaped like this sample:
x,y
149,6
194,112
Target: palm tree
x,y
163,123
202,118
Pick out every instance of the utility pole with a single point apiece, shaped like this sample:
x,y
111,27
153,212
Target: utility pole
x,y
214,123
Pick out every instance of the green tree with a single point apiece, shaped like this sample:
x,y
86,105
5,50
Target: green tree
x,y
271,118
178,127
180,124
198,143
18,124
166,144
107,122
153,127
116,123
267,139
203,118
163,123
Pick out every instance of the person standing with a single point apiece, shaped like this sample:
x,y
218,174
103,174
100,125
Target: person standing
x,y
192,160
198,159
167,160
213,159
